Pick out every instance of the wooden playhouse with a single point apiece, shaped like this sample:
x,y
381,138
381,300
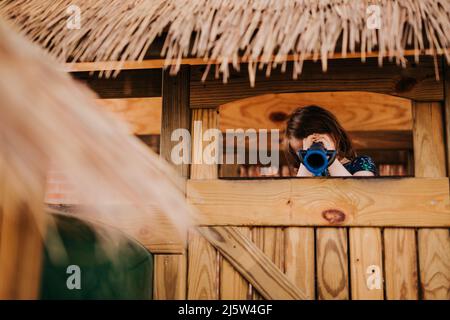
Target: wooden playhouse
x,y
292,238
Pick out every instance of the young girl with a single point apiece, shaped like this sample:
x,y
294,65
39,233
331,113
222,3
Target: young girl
x,y
312,124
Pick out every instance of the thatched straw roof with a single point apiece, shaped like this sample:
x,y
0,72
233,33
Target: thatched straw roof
x,y
226,32
47,117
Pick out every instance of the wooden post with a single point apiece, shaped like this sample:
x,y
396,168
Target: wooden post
x,y
434,244
446,68
22,226
203,276
170,270
175,112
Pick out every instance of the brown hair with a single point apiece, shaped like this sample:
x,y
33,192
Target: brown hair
x,y
312,119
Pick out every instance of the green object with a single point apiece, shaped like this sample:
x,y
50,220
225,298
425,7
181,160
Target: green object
x,y
111,265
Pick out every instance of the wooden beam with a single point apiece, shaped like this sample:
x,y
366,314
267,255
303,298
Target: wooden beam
x,y
128,84
410,202
175,113
356,111
433,244
252,263
143,115
126,65
156,63
172,270
165,239
416,82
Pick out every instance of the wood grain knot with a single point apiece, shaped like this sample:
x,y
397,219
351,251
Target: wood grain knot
x,y
333,216
278,116
405,84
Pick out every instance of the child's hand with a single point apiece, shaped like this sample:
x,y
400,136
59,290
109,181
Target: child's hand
x,y
326,140
309,140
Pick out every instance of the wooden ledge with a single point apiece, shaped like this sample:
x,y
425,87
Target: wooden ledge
x,y
380,202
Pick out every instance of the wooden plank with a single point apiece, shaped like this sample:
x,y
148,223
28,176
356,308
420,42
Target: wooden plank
x,y
126,65
128,84
175,113
434,262
416,82
332,264
400,264
170,277
411,202
223,202
366,264
203,277
206,119
434,244
233,286
203,272
252,263
299,258
270,111
142,114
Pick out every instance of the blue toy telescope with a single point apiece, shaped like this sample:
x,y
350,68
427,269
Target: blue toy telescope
x,y
317,159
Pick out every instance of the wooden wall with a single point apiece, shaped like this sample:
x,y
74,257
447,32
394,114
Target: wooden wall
x,y
282,239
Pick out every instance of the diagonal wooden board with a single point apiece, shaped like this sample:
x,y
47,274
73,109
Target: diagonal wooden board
x,y
252,263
